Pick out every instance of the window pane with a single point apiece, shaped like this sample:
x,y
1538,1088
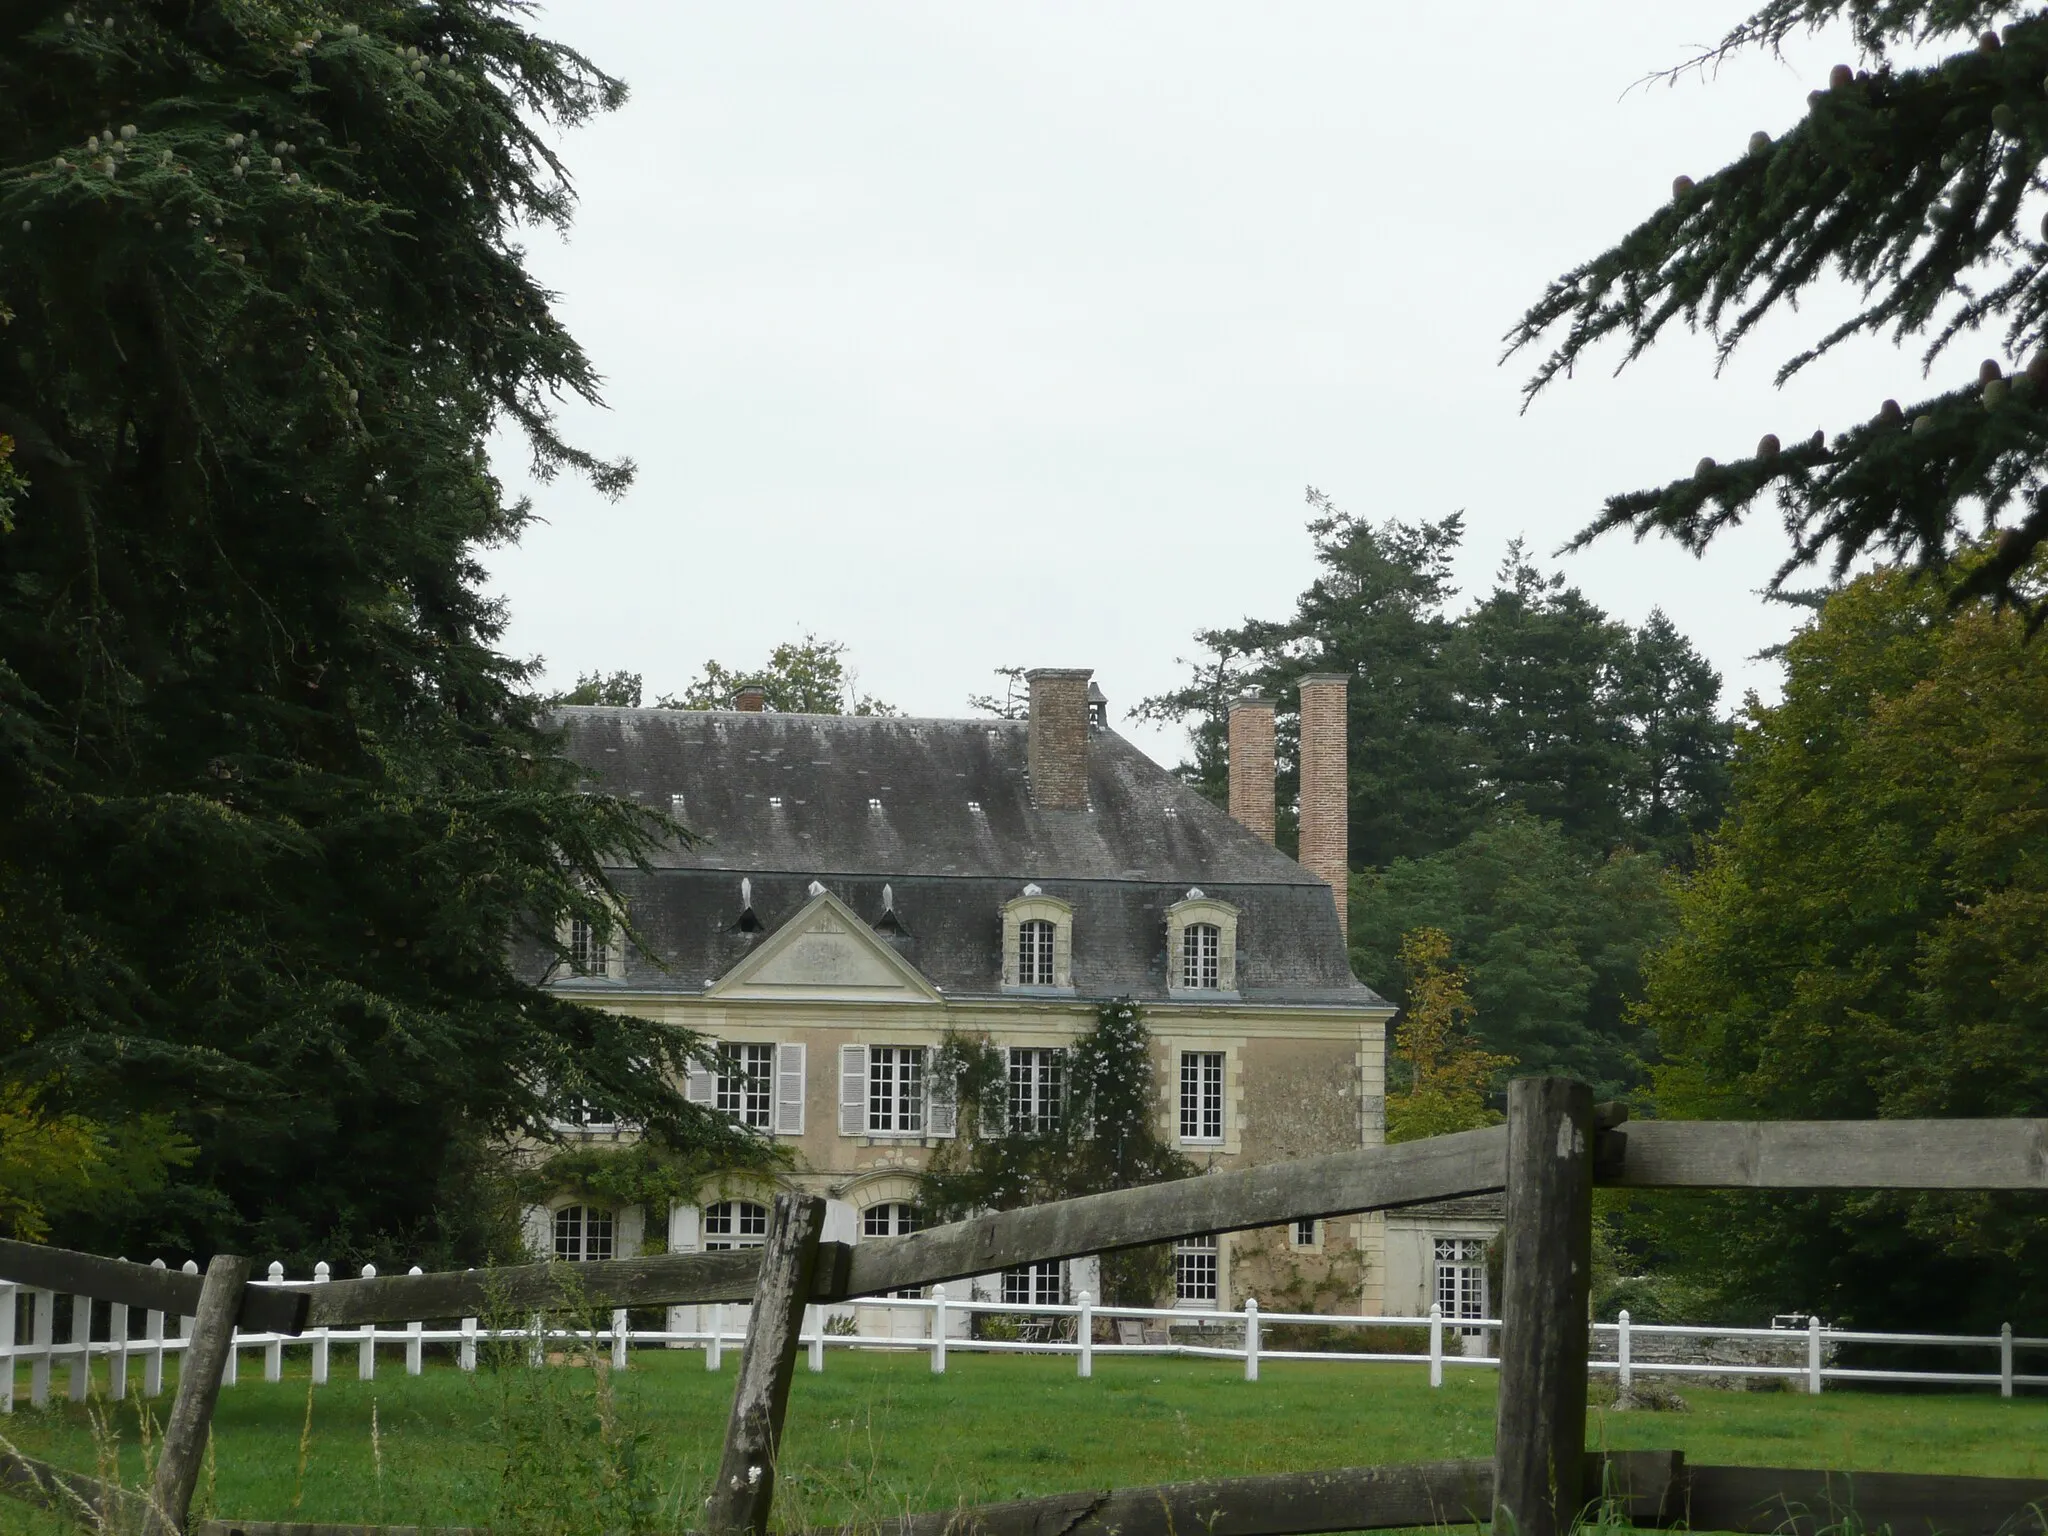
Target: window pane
x,y
734,1224
569,1233
1194,1269
1201,1096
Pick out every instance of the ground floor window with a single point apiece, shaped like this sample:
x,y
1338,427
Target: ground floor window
x,y
582,1232
1034,1285
1194,1270
735,1224
893,1218
1461,1278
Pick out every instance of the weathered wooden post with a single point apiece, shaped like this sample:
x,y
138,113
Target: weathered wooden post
x,y
191,1420
1540,1430
745,1489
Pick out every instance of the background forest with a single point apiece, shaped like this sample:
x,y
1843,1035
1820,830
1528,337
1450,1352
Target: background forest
x,y
1523,769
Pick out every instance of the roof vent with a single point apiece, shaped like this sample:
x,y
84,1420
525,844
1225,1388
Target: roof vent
x,y
889,924
974,806
675,803
775,802
748,921
874,805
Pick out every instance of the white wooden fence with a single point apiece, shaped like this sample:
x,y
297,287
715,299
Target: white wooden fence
x,y
942,1324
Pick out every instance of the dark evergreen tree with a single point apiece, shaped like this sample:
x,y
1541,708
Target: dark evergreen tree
x,y
273,807
1376,608
1911,185
1534,700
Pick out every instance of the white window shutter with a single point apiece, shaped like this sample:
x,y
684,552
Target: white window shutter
x,y
682,1229
789,1090
942,1104
701,1087
853,1090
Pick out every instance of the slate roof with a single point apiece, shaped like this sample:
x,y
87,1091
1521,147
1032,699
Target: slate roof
x,y
940,812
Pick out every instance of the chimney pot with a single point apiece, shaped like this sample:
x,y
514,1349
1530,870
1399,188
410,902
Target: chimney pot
x,y
1058,748
1326,786
750,700
1251,764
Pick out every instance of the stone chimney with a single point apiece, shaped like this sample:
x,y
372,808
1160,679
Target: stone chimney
x,y
1058,757
1326,786
1251,763
750,700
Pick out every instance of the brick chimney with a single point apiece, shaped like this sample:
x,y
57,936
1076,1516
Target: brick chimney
x,y
750,700
1059,737
1325,786
1251,763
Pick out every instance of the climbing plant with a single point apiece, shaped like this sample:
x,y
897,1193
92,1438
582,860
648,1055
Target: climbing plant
x,y
1104,1135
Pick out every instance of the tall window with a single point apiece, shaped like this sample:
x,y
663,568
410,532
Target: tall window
x,y
1201,956
735,1224
1194,1270
590,949
1201,1096
893,1218
896,1089
1034,953
746,1083
583,1232
1034,1285
1461,1278
1037,1089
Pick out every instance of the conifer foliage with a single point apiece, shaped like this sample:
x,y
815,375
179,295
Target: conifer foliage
x,y
1919,187
272,805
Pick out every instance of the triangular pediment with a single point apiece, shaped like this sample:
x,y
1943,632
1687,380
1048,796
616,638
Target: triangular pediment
x,y
826,954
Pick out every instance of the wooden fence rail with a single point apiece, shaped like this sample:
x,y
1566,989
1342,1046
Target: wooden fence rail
x,y
1652,1154
1554,1149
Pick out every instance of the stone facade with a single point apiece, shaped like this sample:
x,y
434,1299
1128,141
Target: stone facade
x,y
863,888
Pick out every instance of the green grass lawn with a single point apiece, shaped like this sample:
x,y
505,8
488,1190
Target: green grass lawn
x,y
879,1433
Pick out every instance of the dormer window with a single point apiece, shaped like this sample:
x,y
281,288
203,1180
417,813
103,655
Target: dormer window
x,y
1201,947
590,947
1034,952
1201,951
590,944
1038,943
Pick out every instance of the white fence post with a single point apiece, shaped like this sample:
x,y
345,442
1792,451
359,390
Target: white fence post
x,y
117,1350
714,1347
1251,1338
2005,1360
1436,1344
413,1329
81,1340
1624,1370
621,1328
1084,1335
153,1347
42,1338
466,1352
366,1350
1813,1355
273,1352
321,1275
7,1292
814,1319
938,1330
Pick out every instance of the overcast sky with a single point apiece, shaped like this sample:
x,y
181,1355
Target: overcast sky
x,y
973,334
